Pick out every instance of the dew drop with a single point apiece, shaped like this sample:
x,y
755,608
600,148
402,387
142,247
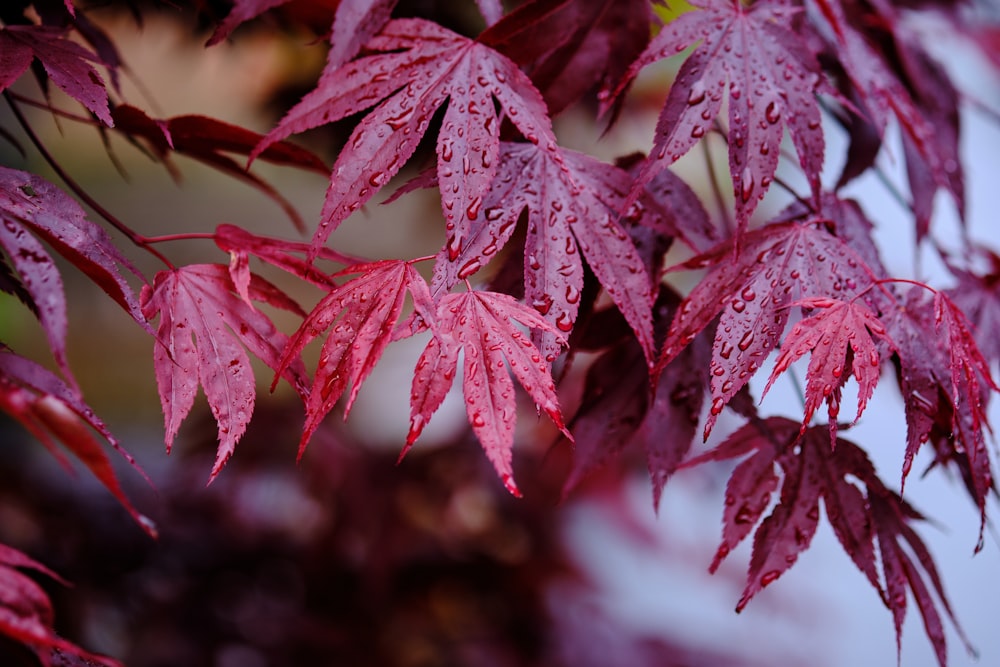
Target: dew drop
x,y
572,294
473,210
747,185
542,304
748,294
769,578
446,151
717,405
726,350
469,268
746,341
739,306
773,112
697,93
697,132
397,122
454,247
564,322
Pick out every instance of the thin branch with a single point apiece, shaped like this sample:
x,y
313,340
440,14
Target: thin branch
x,y
133,236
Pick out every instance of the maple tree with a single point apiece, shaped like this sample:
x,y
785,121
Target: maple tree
x,y
552,260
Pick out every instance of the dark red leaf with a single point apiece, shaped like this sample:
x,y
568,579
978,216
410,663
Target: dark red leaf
x,y
811,471
26,612
208,140
839,337
752,295
363,313
573,202
572,47
67,64
416,66
203,328
53,412
772,79
61,222
242,11
240,244
482,326
927,109
978,296
944,382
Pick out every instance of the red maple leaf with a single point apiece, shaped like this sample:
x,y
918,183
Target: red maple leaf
x,y
772,80
481,326
414,67
67,64
861,515
752,295
978,296
572,47
839,336
363,313
209,140
572,201
53,412
617,412
944,381
26,612
891,517
29,203
905,82
240,244
204,326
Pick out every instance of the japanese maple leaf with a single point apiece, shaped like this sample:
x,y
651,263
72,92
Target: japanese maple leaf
x,y
978,296
53,412
943,379
209,140
839,336
897,540
811,471
414,67
204,326
927,116
616,410
572,201
571,47
66,63
26,614
752,296
363,313
31,205
240,244
481,326
858,506
772,80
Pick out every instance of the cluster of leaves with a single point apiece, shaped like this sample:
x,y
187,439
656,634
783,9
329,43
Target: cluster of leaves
x,y
594,237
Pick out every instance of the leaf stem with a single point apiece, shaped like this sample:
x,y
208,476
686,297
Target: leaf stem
x,y
136,238
728,225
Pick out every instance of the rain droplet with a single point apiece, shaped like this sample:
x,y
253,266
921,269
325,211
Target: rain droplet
x,y
773,112
697,93
747,185
769,578
746,341
473,209
564,322
469,268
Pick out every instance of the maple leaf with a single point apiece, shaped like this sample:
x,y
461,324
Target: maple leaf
x,y
51,411
480,325
67,64
921,98
30,203
943,379
752,296
240,244
897,540
572,201
570,47
363,312
414,67
208,140
26,612
978,297
860,514
203,328
839,337
617,412
772,79
811,471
